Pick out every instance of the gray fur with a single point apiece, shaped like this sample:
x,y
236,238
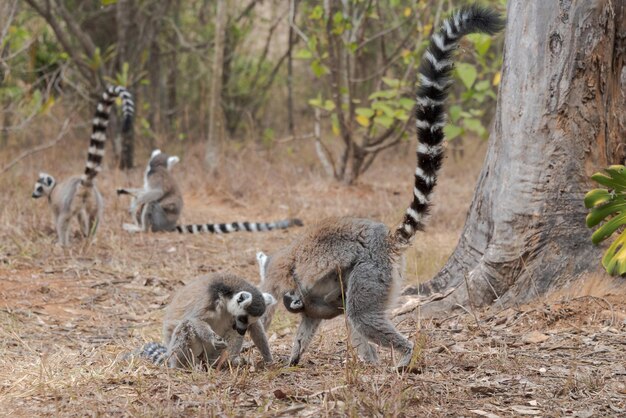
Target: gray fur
x,y
78,197
344,258
68,200
158,205
203,319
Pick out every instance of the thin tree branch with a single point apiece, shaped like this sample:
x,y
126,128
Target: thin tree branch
x,y
9,19
61,36
246,10
37,149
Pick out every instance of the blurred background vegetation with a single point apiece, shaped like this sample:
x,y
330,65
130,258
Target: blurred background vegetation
x,y
339,74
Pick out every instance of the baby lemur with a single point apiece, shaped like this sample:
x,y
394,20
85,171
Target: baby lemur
x,y
157,206
78,196
360,261
207,316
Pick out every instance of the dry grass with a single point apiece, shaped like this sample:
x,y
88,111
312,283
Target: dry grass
x,y
68,315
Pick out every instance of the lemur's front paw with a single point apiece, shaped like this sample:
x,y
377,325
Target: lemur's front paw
x,y
219,343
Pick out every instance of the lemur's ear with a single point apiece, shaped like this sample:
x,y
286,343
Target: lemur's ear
x,y
155,153
172,161
269,299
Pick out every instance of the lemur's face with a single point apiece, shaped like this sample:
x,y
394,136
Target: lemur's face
x,y
43,185
246,310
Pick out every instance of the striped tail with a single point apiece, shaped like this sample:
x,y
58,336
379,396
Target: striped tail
x,y
155,352
434,72
238,226
100,123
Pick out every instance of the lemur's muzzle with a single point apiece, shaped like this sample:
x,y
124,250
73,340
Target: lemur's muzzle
x,y
240,328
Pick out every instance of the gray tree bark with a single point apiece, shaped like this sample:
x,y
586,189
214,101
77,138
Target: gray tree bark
x,y
216,118
124,55
560,117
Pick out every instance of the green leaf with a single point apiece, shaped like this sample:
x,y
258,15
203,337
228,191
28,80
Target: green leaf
x,y
364,111
402,115
482,85
318,68
384,107
328,105
614,260
406,103
455,113
609,206
303,54
108,2
475,125
608,228
597,197
618,172
384,120
452,131
467,73
317,13
598,214
392,82
383,94
609,182
481,42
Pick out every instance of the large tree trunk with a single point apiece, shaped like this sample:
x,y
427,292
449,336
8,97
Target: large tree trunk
x,y
560,117
216,118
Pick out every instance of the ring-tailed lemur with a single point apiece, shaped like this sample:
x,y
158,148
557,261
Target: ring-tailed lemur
x,y
158,205
207,316
360,260
78,196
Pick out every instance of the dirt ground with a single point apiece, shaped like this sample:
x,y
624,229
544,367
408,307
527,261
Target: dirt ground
x,y
68,316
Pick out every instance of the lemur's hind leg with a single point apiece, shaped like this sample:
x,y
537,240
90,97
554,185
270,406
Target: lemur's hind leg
x,y
191,341
83,221
365,350
63,229
367,313
305,333
156,218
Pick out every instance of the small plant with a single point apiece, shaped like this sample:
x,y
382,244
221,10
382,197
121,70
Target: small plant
x,y
609,203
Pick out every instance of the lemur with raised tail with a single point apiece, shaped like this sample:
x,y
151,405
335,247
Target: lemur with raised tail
x,y
354,266
207,316
78,196
158,205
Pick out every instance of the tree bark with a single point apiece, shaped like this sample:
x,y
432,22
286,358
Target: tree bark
x,y
123,55
216,118
293,6
560,117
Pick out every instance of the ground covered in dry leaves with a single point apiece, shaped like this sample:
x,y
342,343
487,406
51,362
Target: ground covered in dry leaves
x,y
68,316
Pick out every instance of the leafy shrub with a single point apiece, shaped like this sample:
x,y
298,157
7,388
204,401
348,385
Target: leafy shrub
x,y
609,205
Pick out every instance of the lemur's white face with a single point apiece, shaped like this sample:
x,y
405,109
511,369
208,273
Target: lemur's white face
x,y
43,185
262,258
238,305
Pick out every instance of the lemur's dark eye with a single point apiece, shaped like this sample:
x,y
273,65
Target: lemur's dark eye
x,y
243,319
